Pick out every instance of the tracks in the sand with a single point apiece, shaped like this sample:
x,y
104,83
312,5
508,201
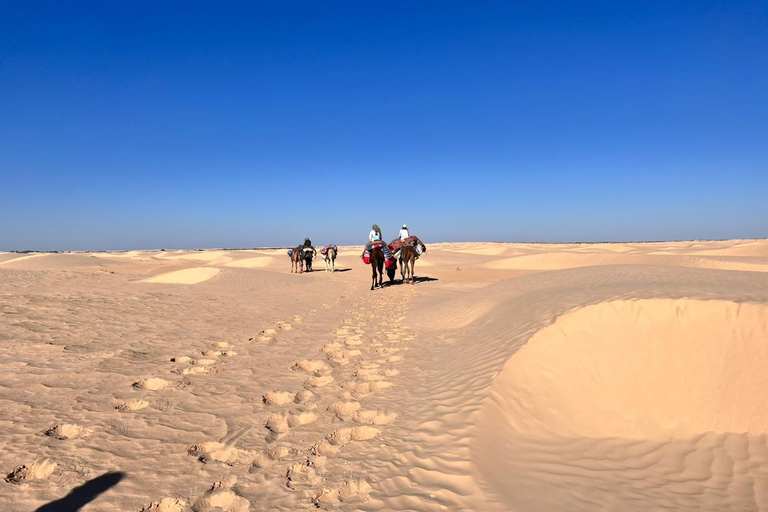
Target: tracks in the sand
x,y
307,441
310,428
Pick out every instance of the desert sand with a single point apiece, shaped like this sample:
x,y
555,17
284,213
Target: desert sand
x,y
521,377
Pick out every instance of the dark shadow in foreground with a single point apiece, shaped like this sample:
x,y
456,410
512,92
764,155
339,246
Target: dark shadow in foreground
x,y
81,496
397,281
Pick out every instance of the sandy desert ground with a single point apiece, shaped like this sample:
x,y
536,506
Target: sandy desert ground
x,y
524,377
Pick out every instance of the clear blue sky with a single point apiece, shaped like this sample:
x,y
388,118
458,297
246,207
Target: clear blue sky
x,y
238,124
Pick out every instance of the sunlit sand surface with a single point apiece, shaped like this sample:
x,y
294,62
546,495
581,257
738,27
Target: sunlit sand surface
x,y
523,377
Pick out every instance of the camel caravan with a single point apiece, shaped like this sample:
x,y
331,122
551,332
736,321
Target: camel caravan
x,y
404,250
303,255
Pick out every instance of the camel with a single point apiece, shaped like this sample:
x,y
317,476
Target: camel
x,y
408,260
377,265
330,260
307,255
297,264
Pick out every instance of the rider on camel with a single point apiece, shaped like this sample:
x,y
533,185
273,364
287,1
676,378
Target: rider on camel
x,y
404,233
374,237
308,247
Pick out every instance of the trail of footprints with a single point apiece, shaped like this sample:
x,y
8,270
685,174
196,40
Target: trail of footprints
x,y
357,364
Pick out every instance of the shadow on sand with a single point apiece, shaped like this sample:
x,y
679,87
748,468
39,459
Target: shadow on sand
x,y
81,496
398,281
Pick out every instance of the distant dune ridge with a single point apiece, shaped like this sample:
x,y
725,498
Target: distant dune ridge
x,y
532,377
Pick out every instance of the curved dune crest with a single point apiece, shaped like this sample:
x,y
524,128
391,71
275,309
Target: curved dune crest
x,y
645,369
257,262
204,256
15,259
562,260
186,276
632,405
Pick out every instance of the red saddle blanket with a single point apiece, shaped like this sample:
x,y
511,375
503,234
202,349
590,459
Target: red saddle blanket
x,y
397,244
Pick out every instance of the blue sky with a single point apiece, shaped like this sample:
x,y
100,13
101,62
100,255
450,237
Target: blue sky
x,y
239,124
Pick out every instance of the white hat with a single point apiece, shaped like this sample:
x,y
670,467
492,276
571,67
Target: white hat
x,y
405,227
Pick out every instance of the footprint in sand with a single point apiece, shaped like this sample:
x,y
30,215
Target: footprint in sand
x,y
385,351
354,491
165,505
267,457
287,397
215,451
31,471
220,498
301,473
363,389
281,423
202,362
345,409
343,436
332,347
374,417
313,366
181,359
297,318
197,370
318,381
132,405
68,431
152,384
217,353
283,326
265,336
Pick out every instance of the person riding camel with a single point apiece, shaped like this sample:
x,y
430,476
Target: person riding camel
x,y
307,246
375,234
404,233
374,237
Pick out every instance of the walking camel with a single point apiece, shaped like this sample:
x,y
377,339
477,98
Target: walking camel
x,y
308,253
330,260
377,265
408,260
297,263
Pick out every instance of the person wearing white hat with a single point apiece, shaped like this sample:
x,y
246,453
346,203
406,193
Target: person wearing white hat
x,y
404,233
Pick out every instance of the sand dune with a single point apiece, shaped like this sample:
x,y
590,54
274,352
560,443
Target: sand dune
x,y
556,261
186,276
257,262
647,369
530,377
15,258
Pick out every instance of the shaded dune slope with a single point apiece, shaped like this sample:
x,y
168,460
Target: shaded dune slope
x,y
543,436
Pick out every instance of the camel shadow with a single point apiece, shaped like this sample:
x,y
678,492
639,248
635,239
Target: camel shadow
x,y
424,279
84,494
